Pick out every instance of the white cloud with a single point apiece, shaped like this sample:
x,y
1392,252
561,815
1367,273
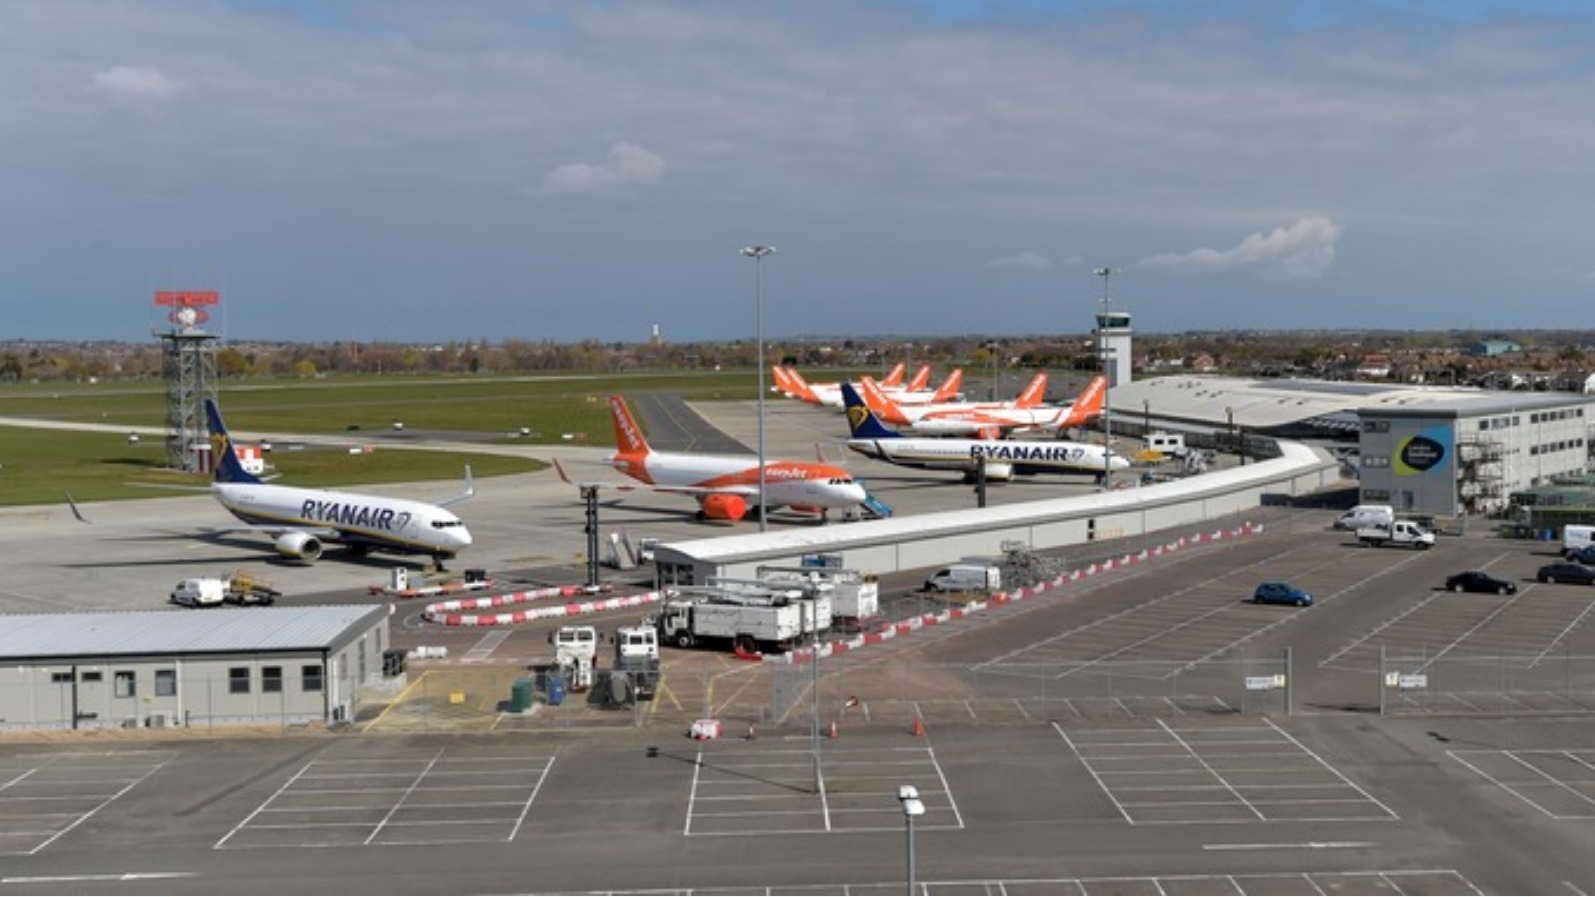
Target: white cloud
x,y
135,85
628,163
1303,250
1027,260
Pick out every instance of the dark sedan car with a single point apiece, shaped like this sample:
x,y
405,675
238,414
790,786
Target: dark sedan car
x,y
1566,571
1479,581
1281,593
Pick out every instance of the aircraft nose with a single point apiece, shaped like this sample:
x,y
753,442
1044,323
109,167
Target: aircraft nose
x,y
462,536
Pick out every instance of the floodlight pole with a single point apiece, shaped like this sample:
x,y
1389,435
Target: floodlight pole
x,y
757,253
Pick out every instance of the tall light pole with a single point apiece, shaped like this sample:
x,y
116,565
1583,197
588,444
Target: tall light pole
x,y
757,253
1107,387
913,807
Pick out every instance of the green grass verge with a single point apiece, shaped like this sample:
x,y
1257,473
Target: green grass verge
x,y
38,466
41,466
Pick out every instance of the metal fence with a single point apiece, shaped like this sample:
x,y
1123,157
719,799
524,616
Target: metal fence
x,y
1414,682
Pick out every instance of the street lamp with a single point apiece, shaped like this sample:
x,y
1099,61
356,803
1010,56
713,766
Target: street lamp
x,y
908,797
996,378
1107,387
757,253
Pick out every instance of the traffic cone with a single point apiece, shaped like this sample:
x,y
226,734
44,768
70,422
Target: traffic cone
x,y
919,727
833,728
751,734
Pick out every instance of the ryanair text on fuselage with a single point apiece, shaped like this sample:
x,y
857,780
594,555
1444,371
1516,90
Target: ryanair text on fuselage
x,y
349,514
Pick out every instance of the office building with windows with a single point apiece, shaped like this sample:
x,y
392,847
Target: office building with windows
x,y
193,668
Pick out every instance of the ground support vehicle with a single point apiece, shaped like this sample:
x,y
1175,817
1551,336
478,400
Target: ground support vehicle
x,y
751,628
240,587
1407,533
575,655
855,596
637,669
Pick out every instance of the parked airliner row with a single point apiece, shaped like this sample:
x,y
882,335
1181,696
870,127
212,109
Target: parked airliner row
x,y
989,420
791,383
300,521
726,487
1002,458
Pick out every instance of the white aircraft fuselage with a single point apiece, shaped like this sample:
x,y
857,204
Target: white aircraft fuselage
x,y
370,521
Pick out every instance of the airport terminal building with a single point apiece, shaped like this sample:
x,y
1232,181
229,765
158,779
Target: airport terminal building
x,y
178,668
1467,456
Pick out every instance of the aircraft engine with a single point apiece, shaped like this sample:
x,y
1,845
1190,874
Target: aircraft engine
x,y
299,546
996,472
721,506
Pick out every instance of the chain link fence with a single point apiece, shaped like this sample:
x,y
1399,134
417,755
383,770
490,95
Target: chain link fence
x,y
1413,682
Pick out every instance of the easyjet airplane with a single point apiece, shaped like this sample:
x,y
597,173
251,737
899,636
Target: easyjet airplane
x,y
726,486
790,382
990,419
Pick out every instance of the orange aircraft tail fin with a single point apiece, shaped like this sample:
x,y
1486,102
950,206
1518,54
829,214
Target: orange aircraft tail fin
x,y
1087,405
1034,393
629,440
920,380
894,377
878,402
949,389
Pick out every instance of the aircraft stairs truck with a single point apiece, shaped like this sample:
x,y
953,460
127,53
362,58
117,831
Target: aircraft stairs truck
x,y
749,623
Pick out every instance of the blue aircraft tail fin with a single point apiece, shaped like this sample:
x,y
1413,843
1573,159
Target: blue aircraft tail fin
x,y
860,420
228,468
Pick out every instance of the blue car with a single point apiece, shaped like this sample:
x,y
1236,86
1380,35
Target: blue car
x,y
1281,593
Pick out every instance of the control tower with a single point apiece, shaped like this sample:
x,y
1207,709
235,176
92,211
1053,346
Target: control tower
x,y
188,365
1113,340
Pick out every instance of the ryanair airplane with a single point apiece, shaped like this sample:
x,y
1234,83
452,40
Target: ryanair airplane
x,y
302,521
1003,458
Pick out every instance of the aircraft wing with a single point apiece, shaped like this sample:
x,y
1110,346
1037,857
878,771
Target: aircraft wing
x,y
201,528
624,485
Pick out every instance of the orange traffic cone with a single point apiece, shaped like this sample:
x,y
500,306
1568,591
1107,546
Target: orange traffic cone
x,y
833,728
919,727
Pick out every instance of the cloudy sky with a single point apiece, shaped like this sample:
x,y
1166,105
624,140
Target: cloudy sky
x,y
416,171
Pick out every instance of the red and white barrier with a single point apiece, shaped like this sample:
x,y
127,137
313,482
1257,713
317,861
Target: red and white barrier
x,y
443,611
912,624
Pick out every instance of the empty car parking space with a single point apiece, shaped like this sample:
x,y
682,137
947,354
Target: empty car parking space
x,y
1537,622
1218,774
776,789
44,796
446,797
1557,783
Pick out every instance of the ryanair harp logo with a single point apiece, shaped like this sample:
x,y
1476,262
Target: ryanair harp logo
x,y
855,416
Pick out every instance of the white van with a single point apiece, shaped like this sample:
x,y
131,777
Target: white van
x,y
1576,536
965,578
1365,516
1172,444
202,591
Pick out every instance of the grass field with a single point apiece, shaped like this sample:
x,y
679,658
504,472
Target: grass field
x,y
548,405
37,466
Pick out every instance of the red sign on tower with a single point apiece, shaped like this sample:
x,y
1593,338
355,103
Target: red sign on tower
x,y
187,306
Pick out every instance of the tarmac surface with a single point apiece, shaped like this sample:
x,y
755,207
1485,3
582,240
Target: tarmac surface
x,y
1108,734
